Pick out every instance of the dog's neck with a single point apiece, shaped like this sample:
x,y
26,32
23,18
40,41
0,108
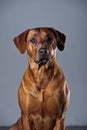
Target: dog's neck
x,y
43,74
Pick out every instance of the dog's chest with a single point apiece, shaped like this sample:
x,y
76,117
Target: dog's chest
x,y
43,104
42,107
43,110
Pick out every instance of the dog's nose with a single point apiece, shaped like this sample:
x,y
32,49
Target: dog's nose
x,y
43,51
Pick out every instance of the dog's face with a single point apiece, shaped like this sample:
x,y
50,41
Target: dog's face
x,y
40,43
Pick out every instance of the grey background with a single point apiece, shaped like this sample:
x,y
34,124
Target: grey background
x,y
68,16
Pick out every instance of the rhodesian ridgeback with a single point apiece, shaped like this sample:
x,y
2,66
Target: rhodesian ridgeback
x,y
43,94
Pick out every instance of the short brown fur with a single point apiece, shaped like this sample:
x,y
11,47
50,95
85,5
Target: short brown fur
x,y
43,93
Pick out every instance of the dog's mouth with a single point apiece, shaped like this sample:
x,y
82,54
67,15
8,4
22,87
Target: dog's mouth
x,y
42,61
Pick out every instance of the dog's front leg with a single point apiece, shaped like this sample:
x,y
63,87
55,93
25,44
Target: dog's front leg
x,y
60,124
26,124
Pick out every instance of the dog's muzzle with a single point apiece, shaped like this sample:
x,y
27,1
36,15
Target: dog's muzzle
x,y
44,55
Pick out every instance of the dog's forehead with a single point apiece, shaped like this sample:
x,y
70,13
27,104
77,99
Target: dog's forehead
x,y
39,32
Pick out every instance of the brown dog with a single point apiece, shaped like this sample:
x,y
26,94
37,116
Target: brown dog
x,y
43,93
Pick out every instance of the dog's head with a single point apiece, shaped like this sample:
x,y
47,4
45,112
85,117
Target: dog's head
x,y
40,43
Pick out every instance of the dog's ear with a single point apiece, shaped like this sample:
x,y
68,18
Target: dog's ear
x,y
61,38
20,41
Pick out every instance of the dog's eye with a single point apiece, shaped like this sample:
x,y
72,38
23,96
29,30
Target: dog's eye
x,y
49,38
33,40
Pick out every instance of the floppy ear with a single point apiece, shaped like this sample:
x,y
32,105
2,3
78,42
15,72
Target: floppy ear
x,y
60,40
20,41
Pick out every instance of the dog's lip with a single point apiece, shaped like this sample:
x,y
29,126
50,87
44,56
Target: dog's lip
x,y
42,60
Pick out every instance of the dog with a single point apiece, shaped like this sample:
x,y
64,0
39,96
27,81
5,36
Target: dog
x,y
43,94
